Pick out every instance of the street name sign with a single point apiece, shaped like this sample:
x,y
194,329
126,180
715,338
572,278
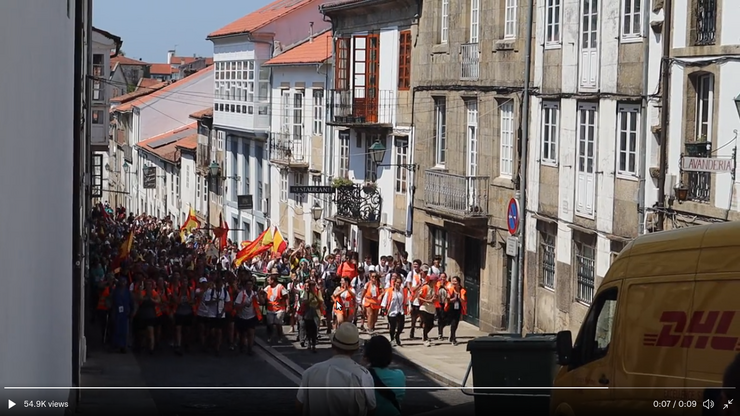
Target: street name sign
x,y
311,189
707,164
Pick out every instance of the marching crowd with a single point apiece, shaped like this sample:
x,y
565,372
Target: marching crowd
x,y
154,286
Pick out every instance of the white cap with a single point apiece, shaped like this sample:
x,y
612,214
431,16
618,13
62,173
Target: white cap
x,y
202,280
371,269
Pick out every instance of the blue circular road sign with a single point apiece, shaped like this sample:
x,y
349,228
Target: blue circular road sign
x,y
512,214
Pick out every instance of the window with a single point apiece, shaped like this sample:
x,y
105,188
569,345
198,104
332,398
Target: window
x,y
474,20
287,120
232,168
205,191
341,77
235,81
472,137
439,244
550,132
402,158
404,61
221,136
506,163
440,130
187,176
318,112
706,22
510,19
700,183
589,60
246,231
627,134
263,90
585,260
258,157
343,168
704,103
552,22
98,117
371,168
586,162
444,24
547,255
197,189
594,342
249,85
296,147
283,186
98,77
299,179
631,20
246,165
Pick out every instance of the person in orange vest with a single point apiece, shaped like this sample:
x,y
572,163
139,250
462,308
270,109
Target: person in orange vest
x,y
443,288
414,281
102,309
164,321
426,297
248,314
372,294
344,300
233,288
396,305
455,307
183,296
276,301
147,311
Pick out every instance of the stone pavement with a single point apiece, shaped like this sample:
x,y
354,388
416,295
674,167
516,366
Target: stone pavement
x,y
443,362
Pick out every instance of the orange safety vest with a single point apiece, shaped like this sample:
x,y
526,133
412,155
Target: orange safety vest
x,y
345,302
177,296
424,293
275,299
448,288
229,306
463,301
388,297
103,300
164,300
157,308
370,301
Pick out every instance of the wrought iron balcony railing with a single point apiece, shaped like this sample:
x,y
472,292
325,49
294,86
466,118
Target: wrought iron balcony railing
x,y
358,203
288,149
363,105
469,61
462,196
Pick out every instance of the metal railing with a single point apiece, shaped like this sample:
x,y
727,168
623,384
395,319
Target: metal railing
x,y
700,186
363,105
706,22
288,148
466,196
469,61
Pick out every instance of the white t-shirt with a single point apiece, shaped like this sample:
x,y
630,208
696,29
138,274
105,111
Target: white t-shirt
x,y
248,311
202,306
220,296
411,281
338,371
358,285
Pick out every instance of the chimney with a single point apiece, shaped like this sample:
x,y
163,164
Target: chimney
x,y
310,31
170,55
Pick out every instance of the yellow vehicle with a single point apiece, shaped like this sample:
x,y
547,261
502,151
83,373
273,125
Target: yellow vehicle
x,y
661,329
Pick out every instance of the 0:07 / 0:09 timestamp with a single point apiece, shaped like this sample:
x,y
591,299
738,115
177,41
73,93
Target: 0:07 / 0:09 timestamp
x,y
672,404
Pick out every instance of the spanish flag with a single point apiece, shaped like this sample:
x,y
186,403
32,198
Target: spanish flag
x,y
253,249
278,242
221,233
123,252
191,223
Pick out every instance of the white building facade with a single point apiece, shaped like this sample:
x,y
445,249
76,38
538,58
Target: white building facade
x,y
372,210
586,172
242,104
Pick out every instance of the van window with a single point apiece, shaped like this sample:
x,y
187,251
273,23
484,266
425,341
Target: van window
x,y
596,334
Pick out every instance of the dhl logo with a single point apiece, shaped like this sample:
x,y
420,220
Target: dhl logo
x,y
705,329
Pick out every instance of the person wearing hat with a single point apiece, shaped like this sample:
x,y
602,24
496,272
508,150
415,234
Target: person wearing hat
x,y
357,398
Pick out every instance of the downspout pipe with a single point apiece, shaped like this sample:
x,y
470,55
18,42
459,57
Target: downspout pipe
x,y
645,129
522,200
664,109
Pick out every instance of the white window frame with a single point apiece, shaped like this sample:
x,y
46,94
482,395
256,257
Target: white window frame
x,y
510,16
402,158
343,165
283,186
444,30
474,21
630,22
586,162
287,114
440,131
590,50
249,68
98,78
471,148
548,259
205,191
371,168
704,99
628,140
550,132
506,139
99,119
318,111
220,138
553,23
299,179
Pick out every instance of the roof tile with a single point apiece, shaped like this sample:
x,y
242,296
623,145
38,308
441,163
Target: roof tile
x,y
262,17
207,112
145,98
124,60
148,83
140,92
312,51
162,69
169,152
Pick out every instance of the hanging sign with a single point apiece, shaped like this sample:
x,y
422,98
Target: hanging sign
x,y
707,164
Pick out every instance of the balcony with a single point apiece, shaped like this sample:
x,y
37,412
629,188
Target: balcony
x,y
469,61
363,106
289,151
457,195
358,204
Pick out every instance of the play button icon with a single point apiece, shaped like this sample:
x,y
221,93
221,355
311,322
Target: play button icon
x,y
11,404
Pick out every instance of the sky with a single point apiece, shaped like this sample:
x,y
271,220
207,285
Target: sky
x,y
149,28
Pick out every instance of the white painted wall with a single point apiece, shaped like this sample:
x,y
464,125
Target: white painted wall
x,y
36,350
187,185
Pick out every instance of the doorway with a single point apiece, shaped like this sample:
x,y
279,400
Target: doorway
x,y
471,274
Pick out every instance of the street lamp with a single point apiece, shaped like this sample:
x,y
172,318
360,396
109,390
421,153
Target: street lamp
x,y
213,169
377,152
317,211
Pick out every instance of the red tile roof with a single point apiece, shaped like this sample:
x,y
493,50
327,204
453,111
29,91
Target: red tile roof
x,y
315,51
139,92
148,83
189,143
169,152
162,69
262,17
208,112
172,86
124,60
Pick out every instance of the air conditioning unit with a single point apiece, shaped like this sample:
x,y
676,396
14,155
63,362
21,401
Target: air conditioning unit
x,y
264,205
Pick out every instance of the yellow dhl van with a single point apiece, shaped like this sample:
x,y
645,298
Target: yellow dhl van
x,y
662,327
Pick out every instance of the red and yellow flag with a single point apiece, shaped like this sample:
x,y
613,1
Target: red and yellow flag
x,y
123,252
253,249
191,223
278,242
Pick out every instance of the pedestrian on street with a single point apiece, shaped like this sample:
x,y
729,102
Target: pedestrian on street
x,y
312,307
395,303
276,299
427,296
455,307
122,303
349,386
390,383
